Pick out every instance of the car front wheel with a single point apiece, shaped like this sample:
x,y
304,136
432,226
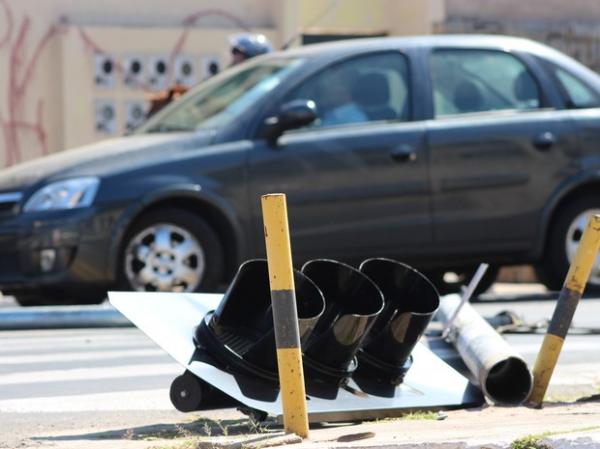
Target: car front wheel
x,y
171,250
563,241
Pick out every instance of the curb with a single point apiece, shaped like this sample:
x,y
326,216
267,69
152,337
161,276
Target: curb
x,y
61,317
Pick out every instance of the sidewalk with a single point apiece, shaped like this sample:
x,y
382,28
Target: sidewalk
x,y
560,425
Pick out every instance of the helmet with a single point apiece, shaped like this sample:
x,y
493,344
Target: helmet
x,y
250,44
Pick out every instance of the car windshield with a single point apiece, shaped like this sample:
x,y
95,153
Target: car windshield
x,y
222,99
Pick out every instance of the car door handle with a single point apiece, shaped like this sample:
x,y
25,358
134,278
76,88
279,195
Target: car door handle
x,y
403,153
544,141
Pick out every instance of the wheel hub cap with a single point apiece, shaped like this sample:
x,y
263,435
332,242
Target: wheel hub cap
x,y
164,257
573,238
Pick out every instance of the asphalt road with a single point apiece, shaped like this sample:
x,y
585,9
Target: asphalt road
x,y
116,378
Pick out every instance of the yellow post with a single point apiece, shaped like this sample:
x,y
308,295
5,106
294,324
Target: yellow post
x,y
285,317
575,282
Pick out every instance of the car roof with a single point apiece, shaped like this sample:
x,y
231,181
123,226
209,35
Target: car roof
x,y
409,42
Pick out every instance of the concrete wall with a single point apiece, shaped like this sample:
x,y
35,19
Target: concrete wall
x,y
393,17
546,10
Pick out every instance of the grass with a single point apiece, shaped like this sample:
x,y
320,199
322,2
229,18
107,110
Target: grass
x,y
194,428
529,442
535,441
414,416
418,416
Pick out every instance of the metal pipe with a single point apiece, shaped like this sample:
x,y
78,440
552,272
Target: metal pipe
x,y
466,296
503,375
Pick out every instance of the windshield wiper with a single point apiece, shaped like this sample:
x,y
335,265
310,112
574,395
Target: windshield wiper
x,y
164,128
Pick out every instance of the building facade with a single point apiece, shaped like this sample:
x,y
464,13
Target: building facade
x,y
73,72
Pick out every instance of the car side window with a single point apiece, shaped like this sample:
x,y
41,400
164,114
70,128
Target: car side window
x,y
579,95
362,89
467,81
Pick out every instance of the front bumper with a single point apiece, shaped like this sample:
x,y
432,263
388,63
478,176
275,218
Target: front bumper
x,y
62,249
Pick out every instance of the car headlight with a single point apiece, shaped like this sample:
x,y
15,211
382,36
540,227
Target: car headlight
x,y
67,194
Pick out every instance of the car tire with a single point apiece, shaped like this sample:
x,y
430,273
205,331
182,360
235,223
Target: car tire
x,y
60,297
171,249
562,241
34,300
463,276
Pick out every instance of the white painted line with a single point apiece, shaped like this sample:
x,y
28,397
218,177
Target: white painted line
x,y
111,372
576,374
101,334
534,348
40,342
79,356
530,348
115,401
74,346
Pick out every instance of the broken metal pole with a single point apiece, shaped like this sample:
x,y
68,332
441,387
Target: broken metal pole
x,y
502,373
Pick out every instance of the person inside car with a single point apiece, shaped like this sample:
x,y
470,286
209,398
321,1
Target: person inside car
x,y
336,100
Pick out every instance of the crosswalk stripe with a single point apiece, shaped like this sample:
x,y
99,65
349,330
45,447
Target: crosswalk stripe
x,y
71,346
576,374
527,348
87,339
78,356
111,372
157,399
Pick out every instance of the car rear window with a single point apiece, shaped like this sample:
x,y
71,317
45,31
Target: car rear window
x,y
579,95
467,81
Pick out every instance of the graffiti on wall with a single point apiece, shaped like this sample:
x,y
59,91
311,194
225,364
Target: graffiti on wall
x,y
22,114
21,67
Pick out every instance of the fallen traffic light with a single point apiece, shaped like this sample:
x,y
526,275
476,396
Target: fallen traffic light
x,y
239,334
410,302
352,303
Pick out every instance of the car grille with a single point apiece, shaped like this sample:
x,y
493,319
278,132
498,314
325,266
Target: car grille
x,y
9,202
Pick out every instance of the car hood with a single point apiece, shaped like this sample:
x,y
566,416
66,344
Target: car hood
x,y
98,159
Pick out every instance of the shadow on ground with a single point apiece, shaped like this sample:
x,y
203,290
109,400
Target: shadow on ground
x,y
201,427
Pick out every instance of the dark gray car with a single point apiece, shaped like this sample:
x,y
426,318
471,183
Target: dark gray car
x,y
440,151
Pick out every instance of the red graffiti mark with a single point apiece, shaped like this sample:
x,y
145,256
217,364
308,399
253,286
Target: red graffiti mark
x,y
192,19
9,23
21,71
88,42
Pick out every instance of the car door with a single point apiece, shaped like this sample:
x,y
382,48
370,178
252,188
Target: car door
x,y
356,179
497,149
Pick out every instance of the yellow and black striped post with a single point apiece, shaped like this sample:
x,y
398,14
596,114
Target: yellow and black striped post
x,y
285,317
570,294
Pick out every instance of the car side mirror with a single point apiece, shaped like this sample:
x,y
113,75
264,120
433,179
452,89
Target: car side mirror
x,y
292,115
